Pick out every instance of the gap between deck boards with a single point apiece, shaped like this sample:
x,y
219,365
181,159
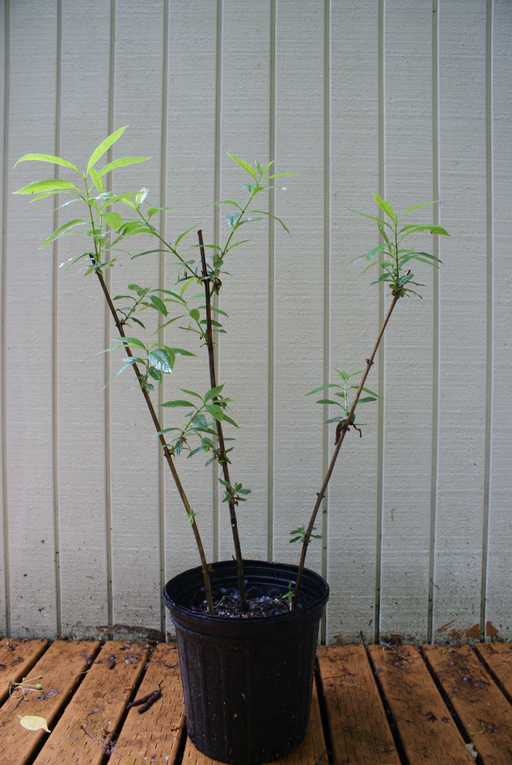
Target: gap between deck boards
x,y
377,705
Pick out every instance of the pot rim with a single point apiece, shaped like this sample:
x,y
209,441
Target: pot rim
x,y
315,579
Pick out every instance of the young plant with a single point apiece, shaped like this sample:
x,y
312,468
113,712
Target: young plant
x,y
393,258
108,230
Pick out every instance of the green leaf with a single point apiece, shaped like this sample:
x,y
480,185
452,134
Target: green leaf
x,y
133,341
114,220
55,185
412,208
162,359
62,229
98,182
215,411
274,217
386,207
191,393
53,160
122,162
213,392
182,236
322,388
413,228
244,165
328,401
159,305
182,352
177,403
231,421
194,314
104,146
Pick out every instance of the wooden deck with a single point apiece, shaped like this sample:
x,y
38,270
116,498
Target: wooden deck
x,y
381,706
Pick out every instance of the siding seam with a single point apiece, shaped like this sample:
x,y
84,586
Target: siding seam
x,y
271,287
55,333
489,107
381,370
3,329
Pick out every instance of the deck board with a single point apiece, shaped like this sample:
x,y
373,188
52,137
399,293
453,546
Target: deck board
x,y
483,710
427,731
498,657
154,736
58,672
359,729
385,706
16,659
83,734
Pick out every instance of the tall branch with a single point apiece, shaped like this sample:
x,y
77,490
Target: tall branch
x,y
156,422
222,455
341,432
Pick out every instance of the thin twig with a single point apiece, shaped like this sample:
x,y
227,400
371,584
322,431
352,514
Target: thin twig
x,y
222,455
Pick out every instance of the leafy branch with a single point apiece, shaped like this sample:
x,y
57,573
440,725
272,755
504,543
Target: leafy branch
x,y
393,262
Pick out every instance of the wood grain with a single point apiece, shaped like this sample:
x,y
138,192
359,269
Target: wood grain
x,y
357,721
498,657
84,732
58,672
155,735
483,710
427,731
16,658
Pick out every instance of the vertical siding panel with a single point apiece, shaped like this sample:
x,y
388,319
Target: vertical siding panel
x,y
4,89
243,351
81,460
462,316
29,328
499,597
135,450
409,342
354,313
299,266
190,195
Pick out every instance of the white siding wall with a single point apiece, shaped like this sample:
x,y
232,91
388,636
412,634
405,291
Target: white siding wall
x,y
402,96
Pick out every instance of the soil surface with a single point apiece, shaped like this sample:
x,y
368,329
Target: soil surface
x,y
226,600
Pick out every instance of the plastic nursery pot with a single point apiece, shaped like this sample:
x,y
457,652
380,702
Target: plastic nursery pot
x,y
247,683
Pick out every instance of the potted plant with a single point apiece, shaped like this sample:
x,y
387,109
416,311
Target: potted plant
x,y
246,630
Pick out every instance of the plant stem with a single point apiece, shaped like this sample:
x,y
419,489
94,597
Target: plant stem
x,y
158,427
340,437
222,455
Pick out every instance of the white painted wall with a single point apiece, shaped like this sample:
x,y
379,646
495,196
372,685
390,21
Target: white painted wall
x,y
356,96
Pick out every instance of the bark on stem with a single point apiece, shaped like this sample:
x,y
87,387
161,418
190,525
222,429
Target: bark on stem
x,y
222,455
165,447
339,443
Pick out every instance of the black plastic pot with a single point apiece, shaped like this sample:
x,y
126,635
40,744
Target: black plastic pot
x,y
247,682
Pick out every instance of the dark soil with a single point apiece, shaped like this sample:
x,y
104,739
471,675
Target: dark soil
x,y
273,602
